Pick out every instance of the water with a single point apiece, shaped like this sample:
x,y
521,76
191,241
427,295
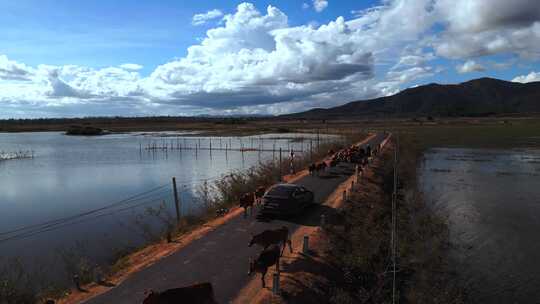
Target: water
x,y
70,175
492,200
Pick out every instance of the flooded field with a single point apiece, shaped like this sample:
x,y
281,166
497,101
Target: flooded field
x,y
121,173
492,200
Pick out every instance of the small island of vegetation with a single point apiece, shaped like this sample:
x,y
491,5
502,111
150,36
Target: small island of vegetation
x,y
85,131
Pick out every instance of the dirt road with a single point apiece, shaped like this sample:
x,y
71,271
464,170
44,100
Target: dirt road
x,y
222,256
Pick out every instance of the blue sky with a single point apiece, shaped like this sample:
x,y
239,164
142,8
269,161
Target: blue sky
x,y
106,33
67,58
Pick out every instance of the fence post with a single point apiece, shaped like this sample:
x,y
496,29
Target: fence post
x,y
305,245
176,201
275,283
280,174
311,150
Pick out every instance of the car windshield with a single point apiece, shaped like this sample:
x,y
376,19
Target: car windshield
x,y
281,191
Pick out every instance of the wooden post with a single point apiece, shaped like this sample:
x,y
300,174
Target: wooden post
x,y
275,283
280,164
311,150
318,139
176,201
305,245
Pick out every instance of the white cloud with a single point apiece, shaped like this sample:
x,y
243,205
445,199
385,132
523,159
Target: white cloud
x,y
483,27
531,77
131,66
256,62
12,70
320,5
411,74
305,5
200,19
470,66
258,59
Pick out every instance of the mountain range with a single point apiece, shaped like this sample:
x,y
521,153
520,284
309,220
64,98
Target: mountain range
x,y
478,97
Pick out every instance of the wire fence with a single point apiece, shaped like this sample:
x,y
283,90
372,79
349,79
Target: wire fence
x,y
394,220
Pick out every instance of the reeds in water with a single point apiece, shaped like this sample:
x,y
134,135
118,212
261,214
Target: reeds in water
x,y
21,154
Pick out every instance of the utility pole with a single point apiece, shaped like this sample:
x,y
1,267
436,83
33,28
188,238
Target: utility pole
x,y
176,200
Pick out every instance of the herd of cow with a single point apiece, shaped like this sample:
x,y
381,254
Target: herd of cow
x,y
353,154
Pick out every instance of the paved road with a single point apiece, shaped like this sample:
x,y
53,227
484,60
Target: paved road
x,y
221,257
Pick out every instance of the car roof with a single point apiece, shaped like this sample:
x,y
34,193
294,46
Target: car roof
x,y
286,186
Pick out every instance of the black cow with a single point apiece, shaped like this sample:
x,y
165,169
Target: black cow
x,y
272,237
267,258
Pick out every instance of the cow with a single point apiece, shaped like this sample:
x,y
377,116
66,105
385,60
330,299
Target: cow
x,y
321,166
198,293
266,258
334,161
259,193
312,169
272,237
247,200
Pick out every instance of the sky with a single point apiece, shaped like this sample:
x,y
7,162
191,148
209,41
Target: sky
x,y
63,58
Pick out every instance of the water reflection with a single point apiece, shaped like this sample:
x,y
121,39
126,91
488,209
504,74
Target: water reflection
x,y
74,174
492,199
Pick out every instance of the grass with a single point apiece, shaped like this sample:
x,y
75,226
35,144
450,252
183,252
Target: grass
x,y
360,246
516,133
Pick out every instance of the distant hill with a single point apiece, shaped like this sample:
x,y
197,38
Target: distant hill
x,y
479,97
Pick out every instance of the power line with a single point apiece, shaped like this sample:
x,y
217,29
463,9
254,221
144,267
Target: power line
x,y
112,205
153,194
65,224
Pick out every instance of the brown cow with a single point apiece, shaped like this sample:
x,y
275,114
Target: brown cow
x,y
198,293
246,201
312,168
267,258
272,237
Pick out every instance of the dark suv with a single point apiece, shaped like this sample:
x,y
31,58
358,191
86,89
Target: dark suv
x,y
286,199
